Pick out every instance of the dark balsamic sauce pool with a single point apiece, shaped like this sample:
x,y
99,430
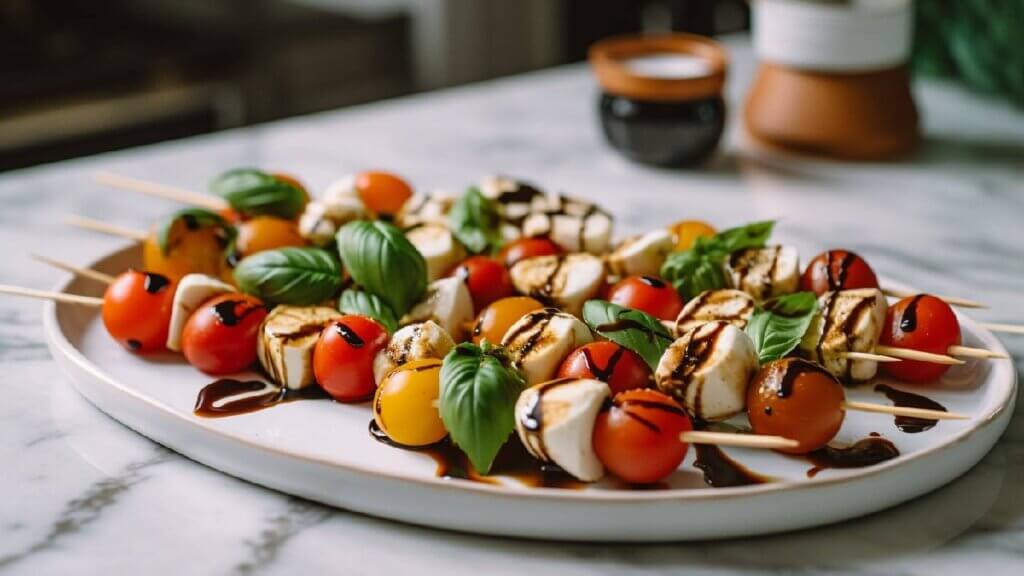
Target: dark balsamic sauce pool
x,y
862,453
210,403
909,424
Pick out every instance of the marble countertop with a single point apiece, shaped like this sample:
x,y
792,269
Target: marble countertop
x,y
82,493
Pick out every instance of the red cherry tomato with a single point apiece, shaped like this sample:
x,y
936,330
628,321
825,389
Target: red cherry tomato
x,y
923,323
637,439
527,248
608,362
837,270
382,192
221,335
796,399
486,279
647,294
343,357
137,310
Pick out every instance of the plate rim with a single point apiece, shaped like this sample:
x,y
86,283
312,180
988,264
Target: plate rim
x,y
57,339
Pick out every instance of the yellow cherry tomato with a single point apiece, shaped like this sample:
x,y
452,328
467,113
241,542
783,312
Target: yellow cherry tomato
x,y
494,320
687,232
405,404
382,192
267,233
199,250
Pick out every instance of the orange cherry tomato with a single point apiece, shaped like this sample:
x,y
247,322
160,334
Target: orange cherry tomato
x,y
382,192
486,279
924,323
608,362
221,335
529,247
267,233
837,270
494,321
647,294
137,310
687,232
190,249
343,357
796,399
637,438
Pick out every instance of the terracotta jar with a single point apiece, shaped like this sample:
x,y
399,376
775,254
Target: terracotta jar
x,y
661,96
832,78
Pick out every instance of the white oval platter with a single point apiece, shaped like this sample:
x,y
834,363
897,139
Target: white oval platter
x,y
322,451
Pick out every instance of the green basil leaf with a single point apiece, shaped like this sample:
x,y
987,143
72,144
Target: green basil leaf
x,y
700,268
359,302
753,235
475,221
631,329
194,219
257,193
692,272
778,325
296,276
478,394
381,260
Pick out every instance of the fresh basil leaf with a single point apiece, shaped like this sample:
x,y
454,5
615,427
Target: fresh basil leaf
x,y
478,394
296,276
475,222
381,260
195,219
778,325
257,193
753,235
631,329
692,272
700,268
359,302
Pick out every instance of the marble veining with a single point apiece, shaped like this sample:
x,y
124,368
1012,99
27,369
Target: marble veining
x,y
83,494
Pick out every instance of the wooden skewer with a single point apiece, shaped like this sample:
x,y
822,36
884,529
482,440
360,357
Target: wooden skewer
x,y
997,327
742,440
908,354
968,352
903,411
56,296
105,228
153,189
869,356
83,272
951,300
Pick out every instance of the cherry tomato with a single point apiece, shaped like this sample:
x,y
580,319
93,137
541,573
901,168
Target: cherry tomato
x,y
637,438
687,232
486,279
267,233
923,323
608,362
137,310
343,357
837,270
796,399
494,320
405,405
382,192
523,248
221,335
647,294
190,249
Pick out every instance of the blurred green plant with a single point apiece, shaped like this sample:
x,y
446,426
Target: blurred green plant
x,y
981,42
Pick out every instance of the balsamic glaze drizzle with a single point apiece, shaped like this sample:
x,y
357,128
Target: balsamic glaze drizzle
x,y
909,424
154,282
349,335
228,314
862,453
908,321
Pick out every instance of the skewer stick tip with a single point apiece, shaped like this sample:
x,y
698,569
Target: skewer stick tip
x,y
902,411
739,440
